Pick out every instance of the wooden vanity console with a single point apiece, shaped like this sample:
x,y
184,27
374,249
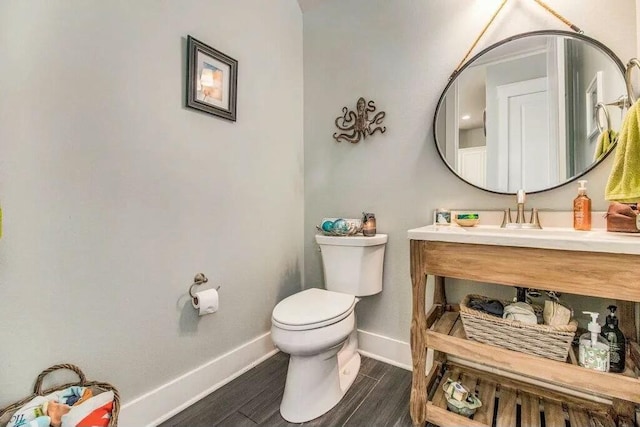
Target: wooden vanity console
x,y
539,390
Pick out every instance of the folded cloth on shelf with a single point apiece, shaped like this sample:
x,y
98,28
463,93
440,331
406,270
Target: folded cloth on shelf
x,y
493,307
520,311
606,139
624,180
556,314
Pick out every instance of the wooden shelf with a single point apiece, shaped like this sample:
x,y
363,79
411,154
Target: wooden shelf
x,y
446,334
506,402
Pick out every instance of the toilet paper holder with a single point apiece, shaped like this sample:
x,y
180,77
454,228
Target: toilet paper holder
x,y
197,281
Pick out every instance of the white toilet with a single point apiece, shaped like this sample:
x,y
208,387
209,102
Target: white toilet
x,y
317,327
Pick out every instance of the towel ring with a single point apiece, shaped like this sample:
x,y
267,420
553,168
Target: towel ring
x,y
627,79
601,106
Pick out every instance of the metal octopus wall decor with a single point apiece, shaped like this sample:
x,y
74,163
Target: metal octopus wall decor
x,y
358,122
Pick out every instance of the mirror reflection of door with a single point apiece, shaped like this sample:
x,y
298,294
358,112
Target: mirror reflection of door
x,y
524,134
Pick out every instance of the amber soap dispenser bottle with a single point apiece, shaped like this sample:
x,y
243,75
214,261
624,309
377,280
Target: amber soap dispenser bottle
x,y
582,209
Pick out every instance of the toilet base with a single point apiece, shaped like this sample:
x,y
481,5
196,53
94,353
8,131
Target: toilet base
x,y
316,384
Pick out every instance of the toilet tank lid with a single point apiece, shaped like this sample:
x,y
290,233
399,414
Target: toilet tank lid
x,y
312,306
378,239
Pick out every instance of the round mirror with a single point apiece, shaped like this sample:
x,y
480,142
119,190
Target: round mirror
x,y
527,112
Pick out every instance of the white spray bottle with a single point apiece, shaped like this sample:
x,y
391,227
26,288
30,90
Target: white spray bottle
x,y
594,349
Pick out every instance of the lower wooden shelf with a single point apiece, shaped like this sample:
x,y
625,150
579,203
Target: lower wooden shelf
x,y
446,334
508,402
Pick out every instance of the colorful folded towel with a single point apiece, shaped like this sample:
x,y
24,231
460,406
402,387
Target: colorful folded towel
x,y
30,414
624,181
606,140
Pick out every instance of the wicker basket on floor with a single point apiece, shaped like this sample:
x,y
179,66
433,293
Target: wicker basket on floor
x,y
95,386
551,342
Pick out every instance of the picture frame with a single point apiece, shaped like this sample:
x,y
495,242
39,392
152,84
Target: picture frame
x,y
593,96
212,80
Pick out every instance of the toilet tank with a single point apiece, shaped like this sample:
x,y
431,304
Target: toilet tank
x,y
353,264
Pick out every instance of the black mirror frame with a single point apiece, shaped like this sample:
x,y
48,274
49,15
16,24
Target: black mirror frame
x,y
453,77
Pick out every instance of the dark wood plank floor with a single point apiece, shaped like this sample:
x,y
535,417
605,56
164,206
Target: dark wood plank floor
x,y
378,397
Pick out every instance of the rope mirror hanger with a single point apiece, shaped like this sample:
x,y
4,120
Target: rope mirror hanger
x,y
493,17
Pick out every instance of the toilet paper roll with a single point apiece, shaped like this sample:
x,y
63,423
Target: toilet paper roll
x,y
206,302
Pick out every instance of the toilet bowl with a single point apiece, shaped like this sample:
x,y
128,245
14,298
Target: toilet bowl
x,y
323,359
317,327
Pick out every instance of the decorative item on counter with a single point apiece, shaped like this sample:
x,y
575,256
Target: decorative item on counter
x,y
582,209
358,122
556,314
459,399
594,349
443,216
340,226
327,225
623,218
368,224
467,219
617,342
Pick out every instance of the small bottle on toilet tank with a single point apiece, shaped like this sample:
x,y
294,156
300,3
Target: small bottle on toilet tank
x,y
368,224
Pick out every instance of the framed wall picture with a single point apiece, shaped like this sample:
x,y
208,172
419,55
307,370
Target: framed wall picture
x,y
593,95
212,80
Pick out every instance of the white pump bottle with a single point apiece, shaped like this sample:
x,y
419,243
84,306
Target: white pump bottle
x,y
594,349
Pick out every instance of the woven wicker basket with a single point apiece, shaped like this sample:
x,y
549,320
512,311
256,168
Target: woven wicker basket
x,y
551,342
95,386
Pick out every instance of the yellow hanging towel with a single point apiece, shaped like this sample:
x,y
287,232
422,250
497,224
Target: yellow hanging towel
x,y
624,181
605,142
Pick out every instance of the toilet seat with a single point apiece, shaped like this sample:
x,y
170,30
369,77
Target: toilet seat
x,y
312,308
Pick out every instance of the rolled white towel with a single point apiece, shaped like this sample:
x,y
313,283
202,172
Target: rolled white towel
x,y
520,311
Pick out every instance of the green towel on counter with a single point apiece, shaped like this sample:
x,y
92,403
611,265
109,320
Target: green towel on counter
x,y
605,143
624,181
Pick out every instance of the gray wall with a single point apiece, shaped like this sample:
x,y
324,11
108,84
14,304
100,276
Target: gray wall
x,y
401,54
114,195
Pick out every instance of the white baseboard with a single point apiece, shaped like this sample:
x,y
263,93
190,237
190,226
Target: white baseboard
x,y
385,349
159,405
151,408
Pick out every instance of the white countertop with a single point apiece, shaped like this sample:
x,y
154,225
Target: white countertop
x,y
596,240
